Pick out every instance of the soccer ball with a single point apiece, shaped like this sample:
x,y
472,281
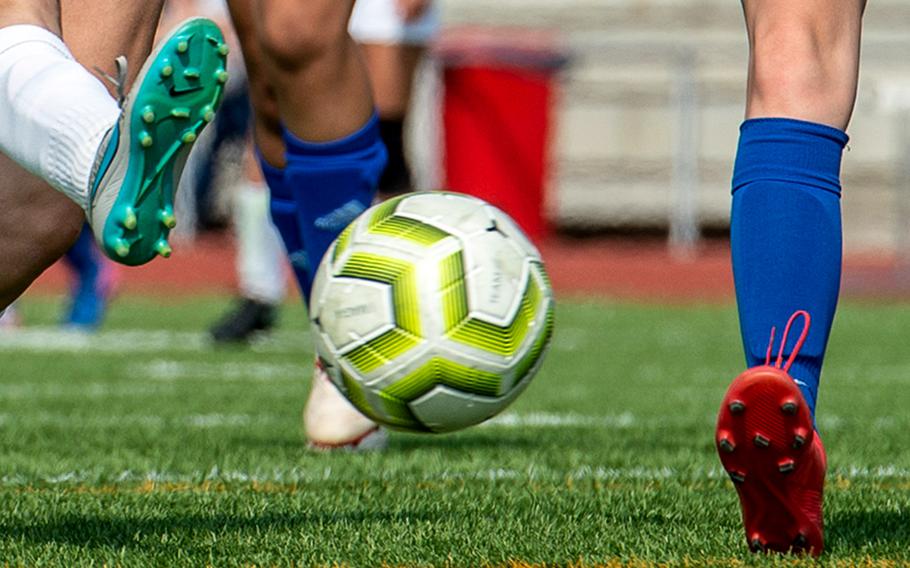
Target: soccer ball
x,y
431,312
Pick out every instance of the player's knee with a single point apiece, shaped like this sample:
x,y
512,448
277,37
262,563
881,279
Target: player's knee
x,y
803,72
290,45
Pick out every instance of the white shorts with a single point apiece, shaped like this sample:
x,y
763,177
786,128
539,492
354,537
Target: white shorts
x,y
377,21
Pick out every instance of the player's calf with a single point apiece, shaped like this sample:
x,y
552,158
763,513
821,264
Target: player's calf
x,y
38,226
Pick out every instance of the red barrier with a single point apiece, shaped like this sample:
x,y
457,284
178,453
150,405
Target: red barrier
x,y
500,90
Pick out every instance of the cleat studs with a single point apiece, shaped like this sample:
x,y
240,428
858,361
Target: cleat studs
x,y
800,435
756,545
800,541
223,49
208,115
725,442
145,139
786,466
148,115
789,408
167,70
163,249
222,76
183,46
191,73
121,248
188,137
737,476
130,221
167,218
761,441
737,407
180,112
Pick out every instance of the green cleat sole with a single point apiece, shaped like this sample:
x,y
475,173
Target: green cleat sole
x,y
181,87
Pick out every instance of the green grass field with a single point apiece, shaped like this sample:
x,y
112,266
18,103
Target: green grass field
x,y
145,446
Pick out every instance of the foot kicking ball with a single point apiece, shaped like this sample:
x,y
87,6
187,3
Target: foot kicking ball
x,y
432,312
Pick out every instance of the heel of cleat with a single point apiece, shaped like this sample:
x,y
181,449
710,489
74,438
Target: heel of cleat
x,y
779,473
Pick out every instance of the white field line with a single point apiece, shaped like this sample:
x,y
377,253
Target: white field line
x,y
196,421
131,341
327,474
169,370
509,420
548,419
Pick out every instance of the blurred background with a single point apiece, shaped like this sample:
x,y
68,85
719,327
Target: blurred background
x,y
607,128
646,124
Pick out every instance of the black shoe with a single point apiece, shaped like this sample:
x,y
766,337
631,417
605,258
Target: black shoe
x,y
246,319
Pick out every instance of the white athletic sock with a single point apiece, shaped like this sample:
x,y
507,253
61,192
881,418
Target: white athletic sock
x,y
53,111
260,253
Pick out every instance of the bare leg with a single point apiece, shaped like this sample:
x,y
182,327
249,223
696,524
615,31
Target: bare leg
x,y
320,81
804,59
44,13
785,238
266,118
391,68
41,223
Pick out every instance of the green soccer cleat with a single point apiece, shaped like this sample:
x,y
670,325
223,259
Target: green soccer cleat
x,y
135,177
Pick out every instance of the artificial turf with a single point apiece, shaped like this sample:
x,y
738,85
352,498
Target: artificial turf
x,y
144,445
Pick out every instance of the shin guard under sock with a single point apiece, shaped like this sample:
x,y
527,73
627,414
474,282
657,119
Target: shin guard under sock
x,y
786,237
331,184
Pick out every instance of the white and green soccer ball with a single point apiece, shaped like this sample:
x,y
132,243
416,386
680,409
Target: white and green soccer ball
x,y
432,312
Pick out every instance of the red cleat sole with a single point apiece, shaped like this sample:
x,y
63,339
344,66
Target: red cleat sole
x,y
769,447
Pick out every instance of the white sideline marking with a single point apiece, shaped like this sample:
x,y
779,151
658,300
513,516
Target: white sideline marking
x,y
130,341
199,421
546,419
56,340
299,475
168,370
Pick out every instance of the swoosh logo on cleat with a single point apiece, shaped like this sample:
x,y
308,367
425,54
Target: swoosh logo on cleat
x,y
340,218
175,92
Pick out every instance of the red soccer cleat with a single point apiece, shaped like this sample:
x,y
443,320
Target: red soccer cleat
x,y
768,445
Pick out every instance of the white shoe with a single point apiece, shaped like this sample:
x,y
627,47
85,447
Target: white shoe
x,y
331,422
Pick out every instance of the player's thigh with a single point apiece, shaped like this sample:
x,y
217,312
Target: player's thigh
x,y
98,31
804,58
292,32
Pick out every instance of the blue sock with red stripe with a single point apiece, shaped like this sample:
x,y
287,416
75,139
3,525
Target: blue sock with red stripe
x,y
785,233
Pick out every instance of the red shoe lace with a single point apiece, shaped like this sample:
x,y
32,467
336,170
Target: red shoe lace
x,y
783,341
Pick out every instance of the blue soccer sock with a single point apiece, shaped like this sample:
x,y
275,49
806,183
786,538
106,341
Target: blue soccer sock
x,y
331,183
84,259
786,237
283,210
88,299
